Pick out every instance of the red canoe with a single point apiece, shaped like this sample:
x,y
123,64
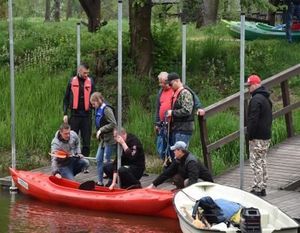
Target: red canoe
x,y
151,202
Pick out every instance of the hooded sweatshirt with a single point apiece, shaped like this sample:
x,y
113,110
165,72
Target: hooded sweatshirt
x,y
259,120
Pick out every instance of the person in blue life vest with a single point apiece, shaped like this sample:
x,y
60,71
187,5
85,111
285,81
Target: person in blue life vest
x,y
105,122
77,99
67,160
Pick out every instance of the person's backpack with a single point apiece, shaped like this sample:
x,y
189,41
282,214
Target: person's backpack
x,y
211,211
197,103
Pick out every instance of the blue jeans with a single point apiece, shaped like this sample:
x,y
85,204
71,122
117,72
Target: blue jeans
x,y
179,136
103,156
293,10
75,166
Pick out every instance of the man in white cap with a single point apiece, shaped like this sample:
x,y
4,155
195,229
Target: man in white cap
x,y
259,123
185,169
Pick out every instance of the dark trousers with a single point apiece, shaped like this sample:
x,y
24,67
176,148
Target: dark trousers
x,y
129,175
83,125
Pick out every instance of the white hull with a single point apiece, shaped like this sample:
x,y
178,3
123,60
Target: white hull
x,y
272,218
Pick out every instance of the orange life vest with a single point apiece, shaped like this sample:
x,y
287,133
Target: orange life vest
x,y
86,93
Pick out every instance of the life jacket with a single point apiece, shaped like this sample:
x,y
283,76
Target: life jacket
x,y
211,211
175,106
100,120
86,92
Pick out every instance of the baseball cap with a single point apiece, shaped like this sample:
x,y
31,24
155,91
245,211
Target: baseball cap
x,y
173,76
253,79
180,145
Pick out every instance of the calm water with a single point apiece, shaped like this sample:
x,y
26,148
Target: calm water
x,y
21,214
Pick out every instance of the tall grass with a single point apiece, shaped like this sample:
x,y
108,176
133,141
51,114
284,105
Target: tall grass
x,y
46,57
38,111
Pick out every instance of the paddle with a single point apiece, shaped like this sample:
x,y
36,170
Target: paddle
x,y
87,185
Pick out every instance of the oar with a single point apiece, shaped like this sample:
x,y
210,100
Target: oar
x,y
64,156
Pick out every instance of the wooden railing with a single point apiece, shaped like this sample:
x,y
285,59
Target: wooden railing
x,y
233,100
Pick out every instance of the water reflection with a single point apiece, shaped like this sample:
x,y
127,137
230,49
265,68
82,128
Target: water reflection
x,y
28,215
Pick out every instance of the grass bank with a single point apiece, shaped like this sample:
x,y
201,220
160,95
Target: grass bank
x,y
46,57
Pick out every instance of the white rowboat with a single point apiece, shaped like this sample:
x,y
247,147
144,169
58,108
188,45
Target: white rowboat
x,y
272,218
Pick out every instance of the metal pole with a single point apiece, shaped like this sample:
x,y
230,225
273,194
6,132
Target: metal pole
x,y
242,97
12,89
183,52
78,44
119,77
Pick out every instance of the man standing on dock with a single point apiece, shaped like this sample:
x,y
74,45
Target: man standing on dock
x,y
77,99
293,10
259,125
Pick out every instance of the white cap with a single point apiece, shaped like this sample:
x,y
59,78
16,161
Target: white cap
x,y
179,145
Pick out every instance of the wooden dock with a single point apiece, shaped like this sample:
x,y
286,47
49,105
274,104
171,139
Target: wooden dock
x,y
283,185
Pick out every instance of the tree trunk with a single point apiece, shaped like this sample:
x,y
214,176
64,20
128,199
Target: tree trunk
x,y
271,15
92,10
210,11
57,10
69,9
48,10
141,41
208,14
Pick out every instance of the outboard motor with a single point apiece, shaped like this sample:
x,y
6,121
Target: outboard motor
x,y
250,220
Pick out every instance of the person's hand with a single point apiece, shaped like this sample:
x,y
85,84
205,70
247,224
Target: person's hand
x,y
150,186
98,134
65,119
200,112
58,175
169,113
80,156
112,186
119,139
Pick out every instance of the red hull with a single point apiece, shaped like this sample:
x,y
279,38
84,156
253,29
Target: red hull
x,y
151,202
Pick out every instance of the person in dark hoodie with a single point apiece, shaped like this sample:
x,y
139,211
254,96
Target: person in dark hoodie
x,y
259,123
293,10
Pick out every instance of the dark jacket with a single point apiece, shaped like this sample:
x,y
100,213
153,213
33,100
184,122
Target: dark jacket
x,y
188,167
134,155
259,120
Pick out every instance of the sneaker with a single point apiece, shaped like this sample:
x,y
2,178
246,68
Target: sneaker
x,y
108,183
99,183
85,171
261,193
